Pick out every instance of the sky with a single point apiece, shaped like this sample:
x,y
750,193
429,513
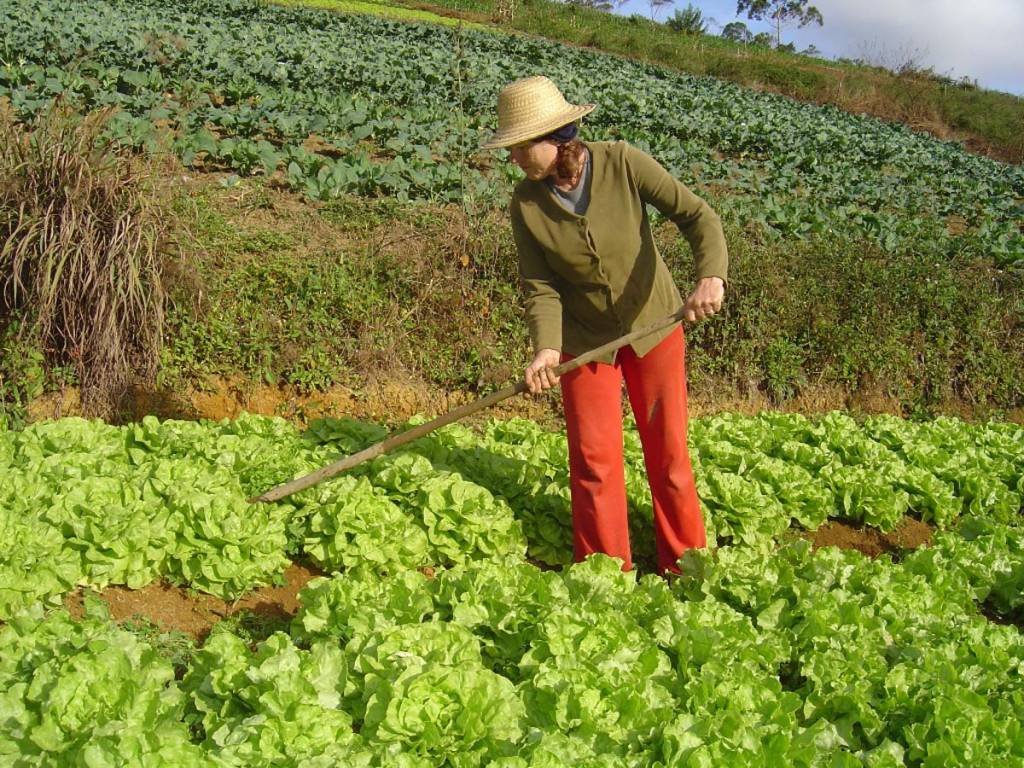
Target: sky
x,y
982,40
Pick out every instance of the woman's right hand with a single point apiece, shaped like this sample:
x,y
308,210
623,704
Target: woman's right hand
x,y
539,375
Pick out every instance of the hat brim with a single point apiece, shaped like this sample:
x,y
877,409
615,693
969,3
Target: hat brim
x,y
523,133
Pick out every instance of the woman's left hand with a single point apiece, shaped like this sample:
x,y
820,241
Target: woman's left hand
x,y
705,300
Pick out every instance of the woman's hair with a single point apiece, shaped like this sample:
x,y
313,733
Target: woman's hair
x,y
570,159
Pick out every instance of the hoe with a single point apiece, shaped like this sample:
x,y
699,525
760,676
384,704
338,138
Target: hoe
x,y
462,411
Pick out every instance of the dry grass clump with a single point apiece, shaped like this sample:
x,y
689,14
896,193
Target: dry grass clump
x,y
83,234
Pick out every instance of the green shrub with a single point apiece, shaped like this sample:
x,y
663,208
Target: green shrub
x,y
688,20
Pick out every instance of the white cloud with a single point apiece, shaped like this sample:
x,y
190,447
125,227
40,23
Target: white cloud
x,y
981,40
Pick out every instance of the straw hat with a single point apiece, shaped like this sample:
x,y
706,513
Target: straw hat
x,y
530,108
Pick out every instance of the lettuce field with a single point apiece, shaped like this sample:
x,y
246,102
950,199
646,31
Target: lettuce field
x,y
437,638
399,109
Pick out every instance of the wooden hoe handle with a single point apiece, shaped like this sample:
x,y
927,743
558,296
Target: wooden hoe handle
x,y
389,444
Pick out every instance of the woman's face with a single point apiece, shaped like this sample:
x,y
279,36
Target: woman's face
x,y
536,158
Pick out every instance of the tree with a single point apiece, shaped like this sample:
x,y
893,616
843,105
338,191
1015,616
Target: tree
x,y
738,32
657,5
781,12
689,21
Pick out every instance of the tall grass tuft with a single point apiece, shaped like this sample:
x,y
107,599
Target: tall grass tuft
x,y
83,234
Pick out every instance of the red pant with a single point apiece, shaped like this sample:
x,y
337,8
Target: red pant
x,y
592,397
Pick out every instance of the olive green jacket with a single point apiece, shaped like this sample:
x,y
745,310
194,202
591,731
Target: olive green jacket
x,y
589,279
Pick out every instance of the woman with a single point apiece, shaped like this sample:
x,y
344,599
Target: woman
x,y
590,273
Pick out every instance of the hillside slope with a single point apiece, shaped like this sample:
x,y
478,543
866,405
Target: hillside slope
x,y
401,108
986,122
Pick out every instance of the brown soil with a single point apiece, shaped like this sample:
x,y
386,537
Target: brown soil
x,y
388,400
179,609
1014,620
910,534
393,399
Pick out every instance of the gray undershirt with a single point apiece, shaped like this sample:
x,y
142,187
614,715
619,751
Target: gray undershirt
x,y
576,199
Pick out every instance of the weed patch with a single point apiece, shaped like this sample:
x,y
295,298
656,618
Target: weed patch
x,y
84,236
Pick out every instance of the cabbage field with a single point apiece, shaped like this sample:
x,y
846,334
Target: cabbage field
x,y
399,109
437,640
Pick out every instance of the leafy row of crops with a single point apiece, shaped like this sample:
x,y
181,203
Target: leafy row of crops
x,y
797,659
400,108
94,504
